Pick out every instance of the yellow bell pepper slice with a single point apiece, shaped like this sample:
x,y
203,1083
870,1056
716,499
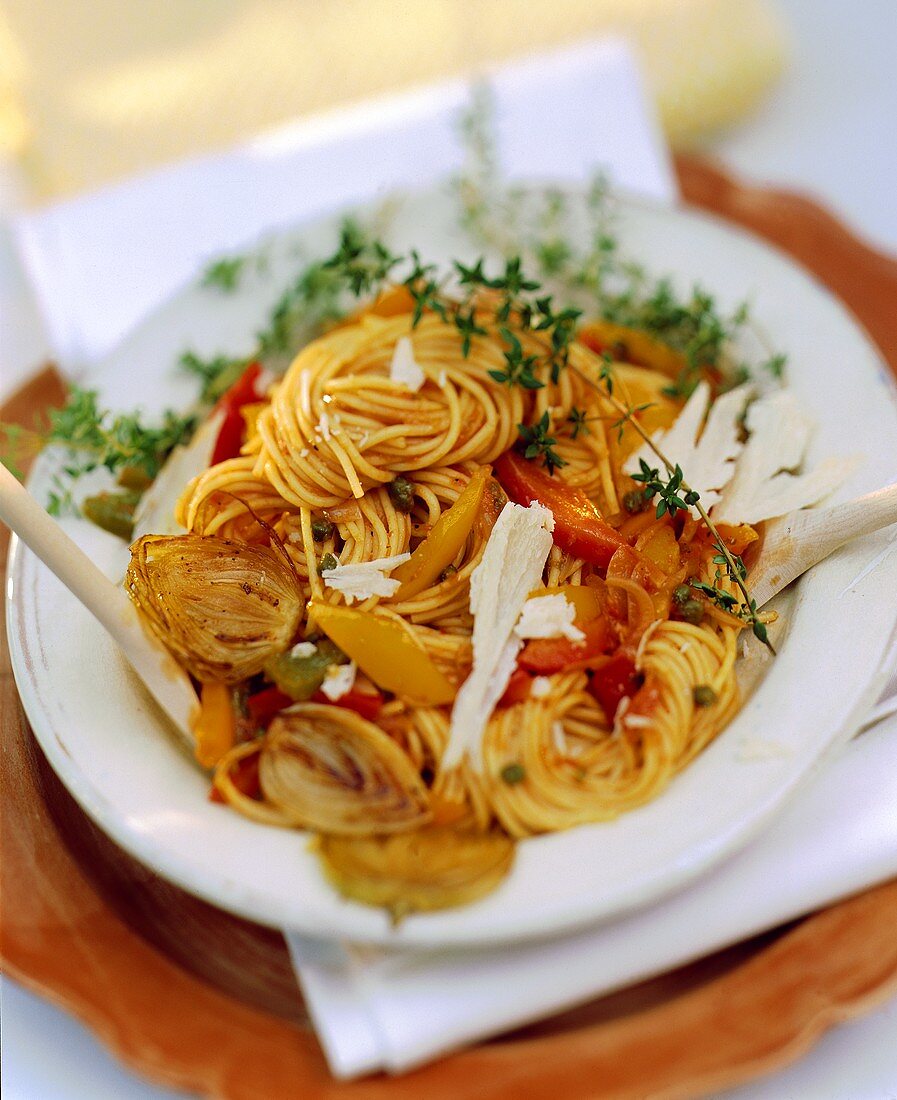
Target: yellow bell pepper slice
x,y
658,545
250,413
384,651
215,729
586,604
440,548
631,345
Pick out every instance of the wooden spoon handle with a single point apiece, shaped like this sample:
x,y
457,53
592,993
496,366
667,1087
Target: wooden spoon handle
x,y
107,602
832,527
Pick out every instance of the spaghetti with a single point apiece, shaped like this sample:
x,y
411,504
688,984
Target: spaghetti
x,y
343,465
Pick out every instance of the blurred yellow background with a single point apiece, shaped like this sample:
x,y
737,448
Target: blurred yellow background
x,y
93,90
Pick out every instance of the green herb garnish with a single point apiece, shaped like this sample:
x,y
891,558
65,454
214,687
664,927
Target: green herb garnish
x,y
539,444
225,273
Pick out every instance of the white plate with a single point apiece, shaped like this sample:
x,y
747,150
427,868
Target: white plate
x,y
111,748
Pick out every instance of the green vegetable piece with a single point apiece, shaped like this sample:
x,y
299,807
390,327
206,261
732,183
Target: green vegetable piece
x,y
301,677
134,477
114,512
328,561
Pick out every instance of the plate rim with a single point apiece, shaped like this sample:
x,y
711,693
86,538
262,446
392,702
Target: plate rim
x,y
73,778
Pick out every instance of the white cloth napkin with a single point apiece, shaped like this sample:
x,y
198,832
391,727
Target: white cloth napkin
x,y
99,263
375,1009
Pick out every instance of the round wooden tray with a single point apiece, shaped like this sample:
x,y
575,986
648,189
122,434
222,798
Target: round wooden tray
x,y
192,997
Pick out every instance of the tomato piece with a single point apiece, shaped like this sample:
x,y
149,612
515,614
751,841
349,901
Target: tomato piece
x,y
264,705
578,526
518,689
547,655
366,703
245,777
614,681
230,434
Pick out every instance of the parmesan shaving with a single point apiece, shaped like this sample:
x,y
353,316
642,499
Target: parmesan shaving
x,y
540,687
404,368
361,580
339,681
511,567
324,426
763,486
548,617
707,458
303,649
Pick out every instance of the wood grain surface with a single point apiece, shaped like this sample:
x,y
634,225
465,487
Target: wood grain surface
x,y
192,997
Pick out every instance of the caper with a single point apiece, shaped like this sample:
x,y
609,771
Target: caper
x,y
704,695
634,501
321,529
401,493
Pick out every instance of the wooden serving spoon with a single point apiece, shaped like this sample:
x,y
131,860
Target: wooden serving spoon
x,y
797,541
109,603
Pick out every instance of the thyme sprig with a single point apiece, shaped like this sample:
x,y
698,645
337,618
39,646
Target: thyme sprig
x,y
225,273
539,444
587,264
579,422
510,296
95,438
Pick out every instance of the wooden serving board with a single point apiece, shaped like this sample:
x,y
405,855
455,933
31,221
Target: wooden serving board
x,y
192,997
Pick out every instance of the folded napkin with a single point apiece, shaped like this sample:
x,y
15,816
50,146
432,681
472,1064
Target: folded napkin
x,y
99,263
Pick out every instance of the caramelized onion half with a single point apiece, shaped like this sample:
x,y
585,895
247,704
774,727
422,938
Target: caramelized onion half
x,y
434,868
222,607
331,770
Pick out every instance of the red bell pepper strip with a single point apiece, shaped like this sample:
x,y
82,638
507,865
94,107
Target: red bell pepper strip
x,y
518,689
245,777
264,705
366,703
578,526
230,434
613,681
544,656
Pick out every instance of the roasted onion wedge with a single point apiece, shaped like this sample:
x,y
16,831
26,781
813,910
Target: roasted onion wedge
x,y
222,607
331,770
434,868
